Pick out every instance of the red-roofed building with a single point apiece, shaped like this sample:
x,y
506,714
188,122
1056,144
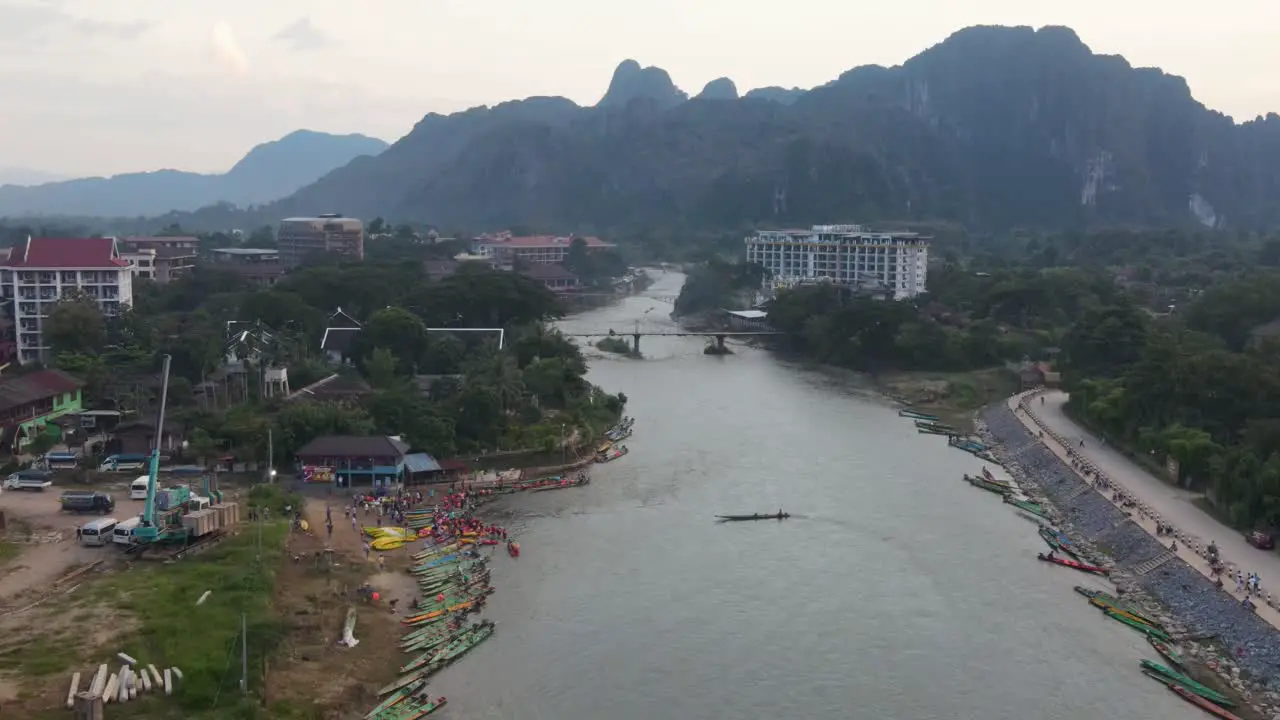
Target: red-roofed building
x,y
38,273
505,248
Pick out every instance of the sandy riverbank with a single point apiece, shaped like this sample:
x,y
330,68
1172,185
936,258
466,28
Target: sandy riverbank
x,y
1212,626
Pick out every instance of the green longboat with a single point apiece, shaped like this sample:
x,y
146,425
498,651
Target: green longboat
x,y
1169,675
1030,507
1137,625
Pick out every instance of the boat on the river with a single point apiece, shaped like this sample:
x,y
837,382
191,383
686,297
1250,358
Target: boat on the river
x,y
613,454
1141,627
1073,564
1028,506
1205,705
1169,675
621,430
1168,652
918,415
755,516
579,481
983,483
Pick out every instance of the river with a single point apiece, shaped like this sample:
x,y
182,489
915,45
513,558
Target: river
x,y
896,590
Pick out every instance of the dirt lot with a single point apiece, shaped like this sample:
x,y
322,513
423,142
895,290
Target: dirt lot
x,y
45,538
42,624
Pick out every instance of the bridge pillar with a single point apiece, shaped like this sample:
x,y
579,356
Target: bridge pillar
x,y
720,343
635,343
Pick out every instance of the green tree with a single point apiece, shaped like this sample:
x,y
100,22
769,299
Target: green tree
x,y
75,324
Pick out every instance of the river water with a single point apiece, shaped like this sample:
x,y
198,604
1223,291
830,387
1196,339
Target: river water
x,y
895,591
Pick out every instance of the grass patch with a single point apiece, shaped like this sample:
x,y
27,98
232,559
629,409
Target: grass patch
x,y
9,551
275,498
951,396
204,641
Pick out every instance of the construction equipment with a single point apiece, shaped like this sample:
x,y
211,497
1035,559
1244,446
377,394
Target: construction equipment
x,y
174,517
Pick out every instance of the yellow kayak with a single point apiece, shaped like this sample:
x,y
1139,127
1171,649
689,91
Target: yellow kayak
x,y
387,543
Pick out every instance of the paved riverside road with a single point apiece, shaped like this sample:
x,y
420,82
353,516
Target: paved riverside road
x,y
1173,505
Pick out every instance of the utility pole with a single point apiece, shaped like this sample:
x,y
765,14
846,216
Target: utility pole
x,y
244,654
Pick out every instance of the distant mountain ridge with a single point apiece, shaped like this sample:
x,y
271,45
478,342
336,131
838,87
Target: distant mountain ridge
x,y
269,171
995,127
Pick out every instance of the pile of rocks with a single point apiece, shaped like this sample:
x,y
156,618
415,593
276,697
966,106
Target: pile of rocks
x,y
1175,593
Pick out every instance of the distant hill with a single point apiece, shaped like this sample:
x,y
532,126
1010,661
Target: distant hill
x,y
27,176
994,127
270,171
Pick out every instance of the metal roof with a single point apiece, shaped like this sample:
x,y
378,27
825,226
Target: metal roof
x,y
421,463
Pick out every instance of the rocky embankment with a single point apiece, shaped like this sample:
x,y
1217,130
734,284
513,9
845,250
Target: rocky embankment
x,y
1209,623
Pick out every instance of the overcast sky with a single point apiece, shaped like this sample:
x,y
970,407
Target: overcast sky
x,y
107,86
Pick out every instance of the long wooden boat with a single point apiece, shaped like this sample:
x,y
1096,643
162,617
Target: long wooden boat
x,y
565,484
1178,678
438,613
936,427
740,518
1030,507
987,485
1105,601
613,454
1205,705
918,415
1074,564
1169,653
1136,625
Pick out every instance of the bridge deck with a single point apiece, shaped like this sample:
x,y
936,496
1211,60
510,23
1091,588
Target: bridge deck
x,y
676,333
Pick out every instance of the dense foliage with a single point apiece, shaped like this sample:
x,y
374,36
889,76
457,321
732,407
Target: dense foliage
x,y
1199,388
719,285
445,392
968,320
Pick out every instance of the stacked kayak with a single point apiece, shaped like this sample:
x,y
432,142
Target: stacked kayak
x,y
1168,676
390,538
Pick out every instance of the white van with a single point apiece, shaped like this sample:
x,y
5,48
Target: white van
x,y
138,488
123,533
98,532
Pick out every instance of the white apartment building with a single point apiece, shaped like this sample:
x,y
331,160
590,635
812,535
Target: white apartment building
x,y
843,254
35,275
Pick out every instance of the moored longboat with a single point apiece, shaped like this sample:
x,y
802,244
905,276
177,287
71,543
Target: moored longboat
x,y
1170,675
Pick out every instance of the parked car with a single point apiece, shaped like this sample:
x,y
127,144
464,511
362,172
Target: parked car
x,y
1262,540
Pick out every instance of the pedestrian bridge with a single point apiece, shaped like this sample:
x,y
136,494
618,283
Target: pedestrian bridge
x,y
636,334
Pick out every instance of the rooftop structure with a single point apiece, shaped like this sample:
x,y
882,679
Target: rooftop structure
x,y
260,266
555,278
29,402
843,254
39,273
302,237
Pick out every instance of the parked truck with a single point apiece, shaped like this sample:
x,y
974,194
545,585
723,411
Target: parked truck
x,y
38,480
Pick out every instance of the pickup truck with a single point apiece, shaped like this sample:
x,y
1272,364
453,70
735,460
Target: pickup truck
x,y
13,482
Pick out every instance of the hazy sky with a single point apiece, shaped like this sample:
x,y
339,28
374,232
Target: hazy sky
x,y
106,86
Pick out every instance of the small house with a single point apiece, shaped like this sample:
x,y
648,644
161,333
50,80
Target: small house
x,y
339,336
353,460
139,436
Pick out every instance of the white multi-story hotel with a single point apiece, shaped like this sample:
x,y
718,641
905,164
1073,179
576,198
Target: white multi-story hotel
x,y
33,276
843,254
